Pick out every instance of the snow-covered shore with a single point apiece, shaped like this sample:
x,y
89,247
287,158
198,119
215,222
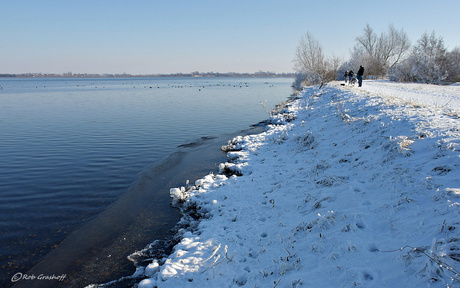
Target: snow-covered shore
x,y
349,187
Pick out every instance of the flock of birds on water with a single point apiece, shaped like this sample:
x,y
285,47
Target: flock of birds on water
x,y
157,86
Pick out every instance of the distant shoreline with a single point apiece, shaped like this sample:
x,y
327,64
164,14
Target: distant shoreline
x,y
124,75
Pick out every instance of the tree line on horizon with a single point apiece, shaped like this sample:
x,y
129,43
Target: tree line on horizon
x,y
388,55
259,74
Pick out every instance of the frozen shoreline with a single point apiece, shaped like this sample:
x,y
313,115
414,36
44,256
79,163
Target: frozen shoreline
x,y
351,187
162,247
127,220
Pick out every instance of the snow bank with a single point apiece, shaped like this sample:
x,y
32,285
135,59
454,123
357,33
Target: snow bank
x,y
352,188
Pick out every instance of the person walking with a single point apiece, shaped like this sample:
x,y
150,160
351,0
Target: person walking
x,y
359,75
346,77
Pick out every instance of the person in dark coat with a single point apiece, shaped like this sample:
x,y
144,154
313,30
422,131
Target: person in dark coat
x,y
359,75
346,77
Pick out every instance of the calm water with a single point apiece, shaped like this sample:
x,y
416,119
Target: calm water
x,y
70,147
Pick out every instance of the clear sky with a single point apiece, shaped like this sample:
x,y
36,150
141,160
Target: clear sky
x,y
153,36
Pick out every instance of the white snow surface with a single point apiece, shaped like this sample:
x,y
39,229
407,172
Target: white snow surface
x,y
349,187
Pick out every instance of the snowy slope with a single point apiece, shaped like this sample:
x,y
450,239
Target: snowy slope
x,y
350,187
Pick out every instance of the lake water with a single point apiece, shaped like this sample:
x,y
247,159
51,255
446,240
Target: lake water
x,y
70,147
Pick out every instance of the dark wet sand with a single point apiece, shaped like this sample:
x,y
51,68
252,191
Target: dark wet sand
x,y
97,251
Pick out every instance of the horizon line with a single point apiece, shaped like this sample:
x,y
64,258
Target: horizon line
x,y
189,74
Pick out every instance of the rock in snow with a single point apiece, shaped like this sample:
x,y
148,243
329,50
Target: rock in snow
x,y
350,187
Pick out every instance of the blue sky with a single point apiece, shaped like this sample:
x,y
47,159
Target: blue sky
x,y
143,37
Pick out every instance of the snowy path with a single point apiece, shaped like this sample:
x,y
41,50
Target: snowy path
x,y
422,94
337,194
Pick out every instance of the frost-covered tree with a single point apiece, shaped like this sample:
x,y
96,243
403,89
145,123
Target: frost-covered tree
x,y
379,53
298,81
402,72
429,60
453,58
311,62
429,63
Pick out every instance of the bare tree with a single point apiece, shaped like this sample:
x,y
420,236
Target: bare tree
x,y
367,41
392,47
311,61
380,53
